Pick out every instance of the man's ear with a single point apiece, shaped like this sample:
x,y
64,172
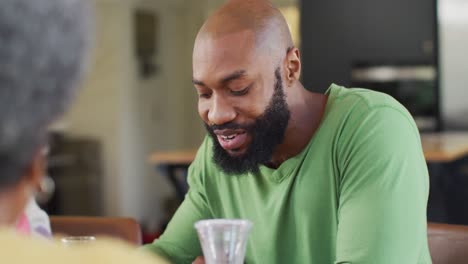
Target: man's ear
x,y
293,65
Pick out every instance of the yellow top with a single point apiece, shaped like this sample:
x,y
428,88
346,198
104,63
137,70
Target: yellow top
x,y
26,250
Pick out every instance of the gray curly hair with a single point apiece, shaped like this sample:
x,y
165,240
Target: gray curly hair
x,y
43,47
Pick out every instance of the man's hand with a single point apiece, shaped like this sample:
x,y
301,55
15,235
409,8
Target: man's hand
x,y
199,260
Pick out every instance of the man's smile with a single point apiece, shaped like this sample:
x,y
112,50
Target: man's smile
x,y
234,141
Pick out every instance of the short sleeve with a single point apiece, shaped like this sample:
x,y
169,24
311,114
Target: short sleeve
x,y
383,190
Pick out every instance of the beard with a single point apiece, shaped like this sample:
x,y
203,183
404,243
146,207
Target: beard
x,y
267,131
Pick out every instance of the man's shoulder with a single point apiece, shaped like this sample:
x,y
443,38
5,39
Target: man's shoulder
x,y
357,103
362,98
349,108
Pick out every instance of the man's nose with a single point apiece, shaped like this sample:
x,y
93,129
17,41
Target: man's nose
x,y
220,112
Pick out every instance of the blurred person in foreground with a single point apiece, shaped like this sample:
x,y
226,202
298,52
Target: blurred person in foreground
x,y
43,44
338,177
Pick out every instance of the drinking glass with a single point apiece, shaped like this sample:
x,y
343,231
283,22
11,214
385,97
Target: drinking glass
x,y
223,241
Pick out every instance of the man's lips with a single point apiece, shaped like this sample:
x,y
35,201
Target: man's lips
x,y
231,140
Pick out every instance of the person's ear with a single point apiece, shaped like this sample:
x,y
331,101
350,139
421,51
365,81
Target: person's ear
x,y
293,65
37,169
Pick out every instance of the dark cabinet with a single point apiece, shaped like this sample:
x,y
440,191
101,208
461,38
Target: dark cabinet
x,y
387,46
337,35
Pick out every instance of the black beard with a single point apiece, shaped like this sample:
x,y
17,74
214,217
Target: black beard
x,y
267,132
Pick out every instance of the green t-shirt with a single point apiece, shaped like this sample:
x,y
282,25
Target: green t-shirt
x,y
357,193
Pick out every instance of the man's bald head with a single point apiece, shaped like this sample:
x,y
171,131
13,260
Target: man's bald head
x,y
266,22
246,71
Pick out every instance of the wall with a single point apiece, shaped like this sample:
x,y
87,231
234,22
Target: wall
x,y
167,102
96,112
453,40
132,116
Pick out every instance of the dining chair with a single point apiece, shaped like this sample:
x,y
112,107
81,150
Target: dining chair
x,y
448,244
126,229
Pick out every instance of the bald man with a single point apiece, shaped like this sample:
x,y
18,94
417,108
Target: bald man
x,y
338,177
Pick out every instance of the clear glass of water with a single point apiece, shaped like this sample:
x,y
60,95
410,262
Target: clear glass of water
x,y
77,240
223,241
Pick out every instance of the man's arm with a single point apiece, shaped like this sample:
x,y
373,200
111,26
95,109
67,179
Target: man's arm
x,y
383,191
180,243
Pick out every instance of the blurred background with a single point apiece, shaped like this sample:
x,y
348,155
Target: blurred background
x,y
138,98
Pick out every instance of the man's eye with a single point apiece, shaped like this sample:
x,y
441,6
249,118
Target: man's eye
x,y
241,92
204,95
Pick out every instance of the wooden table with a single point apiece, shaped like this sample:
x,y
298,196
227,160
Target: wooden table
x,y
172,162
439,148
445,147
447,155
173,157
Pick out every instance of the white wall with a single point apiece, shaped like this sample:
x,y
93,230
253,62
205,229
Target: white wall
x,y
131,116
453,40
167,102
97,110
